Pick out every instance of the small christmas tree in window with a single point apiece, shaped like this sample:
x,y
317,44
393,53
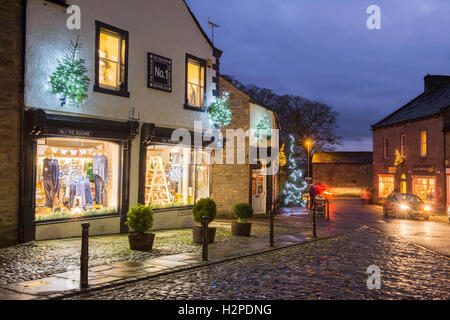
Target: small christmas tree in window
x,y
70,81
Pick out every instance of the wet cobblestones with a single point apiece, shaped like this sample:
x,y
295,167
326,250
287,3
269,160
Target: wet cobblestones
x,y
40,259
327,269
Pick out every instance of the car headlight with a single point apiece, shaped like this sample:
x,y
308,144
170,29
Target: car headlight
x,y
427,208
404,207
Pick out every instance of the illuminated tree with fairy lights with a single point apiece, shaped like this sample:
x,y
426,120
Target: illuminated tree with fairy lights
x,y
295,184
220,111
69,81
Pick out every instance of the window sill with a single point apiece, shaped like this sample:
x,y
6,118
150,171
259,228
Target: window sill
x,y
66,220
122,93
186,207
192,108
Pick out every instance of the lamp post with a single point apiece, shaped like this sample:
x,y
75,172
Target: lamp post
x,y
308,146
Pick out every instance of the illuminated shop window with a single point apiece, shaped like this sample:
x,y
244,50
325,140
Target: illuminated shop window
x,y
425,188
76,178
195,82
175,176
423,144
385,186
111,61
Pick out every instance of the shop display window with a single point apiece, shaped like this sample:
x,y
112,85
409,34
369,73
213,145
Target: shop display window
x,y
425,188
175,176
76,178
385,186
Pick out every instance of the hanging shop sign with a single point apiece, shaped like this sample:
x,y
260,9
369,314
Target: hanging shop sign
x,y
159,72
392,169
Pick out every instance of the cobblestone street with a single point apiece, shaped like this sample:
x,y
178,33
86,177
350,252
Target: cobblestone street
x,y
332,268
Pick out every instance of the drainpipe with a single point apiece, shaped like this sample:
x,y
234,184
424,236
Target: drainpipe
x,y
22,126
445,160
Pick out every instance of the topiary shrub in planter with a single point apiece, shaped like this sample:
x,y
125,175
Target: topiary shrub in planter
x,y
204,207
242,227
140,218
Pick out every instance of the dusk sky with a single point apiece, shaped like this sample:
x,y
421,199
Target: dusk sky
x,y
323,50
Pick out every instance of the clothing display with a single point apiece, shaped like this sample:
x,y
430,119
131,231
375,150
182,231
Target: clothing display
x,y
100,190
50,177
90,171
73,178
101,175
83,190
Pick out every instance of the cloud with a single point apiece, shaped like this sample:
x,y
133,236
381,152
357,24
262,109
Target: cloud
x,y
323,50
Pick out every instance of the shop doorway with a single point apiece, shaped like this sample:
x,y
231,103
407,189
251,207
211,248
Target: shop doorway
x,y
259,192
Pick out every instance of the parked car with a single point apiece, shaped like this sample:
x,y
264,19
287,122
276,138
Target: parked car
x,y
404,205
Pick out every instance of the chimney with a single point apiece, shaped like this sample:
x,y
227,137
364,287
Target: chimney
x,y
434,82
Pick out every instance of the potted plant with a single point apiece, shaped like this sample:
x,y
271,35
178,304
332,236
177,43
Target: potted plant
x,y
242,227
140,218
204,207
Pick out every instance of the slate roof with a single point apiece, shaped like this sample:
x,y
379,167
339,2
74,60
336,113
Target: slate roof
x,y
343,157
423,106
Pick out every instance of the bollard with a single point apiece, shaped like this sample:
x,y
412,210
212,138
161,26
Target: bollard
x,y
328,209
84,256
314,222
205,238
271,231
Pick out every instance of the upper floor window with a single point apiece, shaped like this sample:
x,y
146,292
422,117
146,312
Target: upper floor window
x,y
111,63
385,148
423,144
195,82
403,145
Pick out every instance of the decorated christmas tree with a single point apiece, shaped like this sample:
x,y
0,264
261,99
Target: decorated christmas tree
x,y
69,81
295,184
220,111
264,127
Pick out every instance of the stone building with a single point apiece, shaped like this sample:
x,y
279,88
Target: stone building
x,y
243,183
343,173
152,70
11,106
410,146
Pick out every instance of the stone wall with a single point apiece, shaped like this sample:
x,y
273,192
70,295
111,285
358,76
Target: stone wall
x,y
11,96
231,182
343,179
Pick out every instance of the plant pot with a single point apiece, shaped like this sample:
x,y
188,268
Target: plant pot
x,y
141,241
197,234
241,229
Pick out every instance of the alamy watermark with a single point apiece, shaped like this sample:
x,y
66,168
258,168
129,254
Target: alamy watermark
x,y
374,279
374,20
74,20
236,147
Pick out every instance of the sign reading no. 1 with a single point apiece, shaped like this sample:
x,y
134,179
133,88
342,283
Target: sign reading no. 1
x,y
159,72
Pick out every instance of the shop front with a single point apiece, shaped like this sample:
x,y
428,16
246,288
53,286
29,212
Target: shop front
x,y
76,169
172,177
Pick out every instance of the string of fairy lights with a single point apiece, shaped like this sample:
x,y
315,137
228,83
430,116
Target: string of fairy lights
x,y
295,184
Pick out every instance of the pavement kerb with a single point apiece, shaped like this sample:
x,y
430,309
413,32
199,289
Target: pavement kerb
x,y
175,270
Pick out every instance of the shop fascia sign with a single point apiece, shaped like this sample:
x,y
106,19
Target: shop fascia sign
x,y
423,169
74,132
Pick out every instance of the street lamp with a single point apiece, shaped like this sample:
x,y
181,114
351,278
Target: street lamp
x,y
308,146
